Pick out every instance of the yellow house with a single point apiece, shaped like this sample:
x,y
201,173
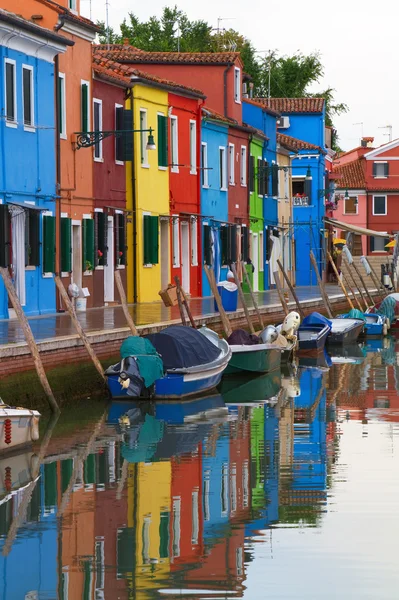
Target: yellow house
x,y
285,218
149,511
147,192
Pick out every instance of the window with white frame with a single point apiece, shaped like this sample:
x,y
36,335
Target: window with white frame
x,y
194,242
193,147
10,92
28,97
237,85
143,138
379,205
222,168
243,166
174,144
176,241
98,126
204,164
72,5
380,169
62,106
261,251
377,244
85,105
231,164
350,206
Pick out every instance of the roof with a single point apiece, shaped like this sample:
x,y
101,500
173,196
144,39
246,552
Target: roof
x,y
293,105
266,109
353,176
256,131
295,145
129,54
70,16
211,114
122,74
18,21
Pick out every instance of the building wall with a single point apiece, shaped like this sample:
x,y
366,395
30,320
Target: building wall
x,y
360,219
152,196
256,225
284,207
214,201
238,191
308,127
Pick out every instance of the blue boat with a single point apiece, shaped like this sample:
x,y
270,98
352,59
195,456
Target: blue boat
x,y
313,333
191,364
374,324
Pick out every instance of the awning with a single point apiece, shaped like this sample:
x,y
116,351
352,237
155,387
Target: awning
x,y
27,206
354,229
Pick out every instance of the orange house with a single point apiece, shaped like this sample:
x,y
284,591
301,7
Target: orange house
x,y
73,92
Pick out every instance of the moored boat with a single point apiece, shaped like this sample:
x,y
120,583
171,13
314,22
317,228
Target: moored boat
x,y
374,323
313,333
244,388
18,427
262,358
345,331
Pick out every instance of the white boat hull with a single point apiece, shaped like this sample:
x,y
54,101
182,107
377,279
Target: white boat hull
x,y
18,427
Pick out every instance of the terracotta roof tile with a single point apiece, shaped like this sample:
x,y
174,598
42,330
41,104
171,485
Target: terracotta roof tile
x,y
129,54
293,105
268,110
295,145
211,114
70,16
123,74
353,176
18,20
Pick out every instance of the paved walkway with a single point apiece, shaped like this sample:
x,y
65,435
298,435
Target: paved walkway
x,y
105,319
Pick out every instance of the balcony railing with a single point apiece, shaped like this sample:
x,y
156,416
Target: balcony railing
x,y
300,201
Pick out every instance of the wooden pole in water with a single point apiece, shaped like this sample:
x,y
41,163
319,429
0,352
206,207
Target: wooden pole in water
x,y
30,340
287,279
212,283
252,295
358,287
354,265
179,301
77,325
122,295
321,285
340,282
187,307
377,282
280,293
348,285
242,298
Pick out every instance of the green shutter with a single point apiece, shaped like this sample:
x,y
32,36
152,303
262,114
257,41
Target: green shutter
x,y
66,245
88,244
128,135
100,239
119,139
85,102
60,106
4,236
49,244
274,180
151,240
50,485
162,141
265,178
89,470
251,174
260,177
164,535
66,473
207,245
32,238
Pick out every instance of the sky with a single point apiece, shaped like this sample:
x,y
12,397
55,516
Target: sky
x,y
356,39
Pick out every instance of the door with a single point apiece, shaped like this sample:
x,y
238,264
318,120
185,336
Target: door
x,y
77,253
255,250
164,253
109,284
185,256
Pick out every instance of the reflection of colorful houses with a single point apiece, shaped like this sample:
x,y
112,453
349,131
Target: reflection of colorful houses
x,y
239,467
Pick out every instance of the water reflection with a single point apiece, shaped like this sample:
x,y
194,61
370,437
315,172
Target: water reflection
x,y
152,500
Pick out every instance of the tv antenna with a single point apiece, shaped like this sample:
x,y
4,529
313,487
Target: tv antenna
x,y
360,124
389,131
107,20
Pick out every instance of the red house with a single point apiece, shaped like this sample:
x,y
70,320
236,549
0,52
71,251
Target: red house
x,y
184,186
109,186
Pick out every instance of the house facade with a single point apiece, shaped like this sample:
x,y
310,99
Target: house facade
x,y
28,166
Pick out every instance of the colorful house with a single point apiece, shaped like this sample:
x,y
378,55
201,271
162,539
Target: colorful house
x,y
28,165
285,208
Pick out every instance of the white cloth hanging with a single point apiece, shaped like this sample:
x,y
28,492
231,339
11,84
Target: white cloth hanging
x,y
18,218
275,256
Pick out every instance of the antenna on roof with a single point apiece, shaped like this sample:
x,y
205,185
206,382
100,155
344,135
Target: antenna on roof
x,y
361,125
107,20
389,132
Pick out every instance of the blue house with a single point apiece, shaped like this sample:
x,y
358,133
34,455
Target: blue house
x,y
28,161
214,193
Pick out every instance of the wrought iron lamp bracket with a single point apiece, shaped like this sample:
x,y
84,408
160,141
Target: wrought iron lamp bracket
x,y
87,139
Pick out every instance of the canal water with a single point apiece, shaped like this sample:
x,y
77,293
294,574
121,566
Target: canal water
x,y
280,487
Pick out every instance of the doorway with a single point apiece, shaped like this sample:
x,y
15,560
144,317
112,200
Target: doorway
x,y
164,253
77,253
109,286
186,256
255,259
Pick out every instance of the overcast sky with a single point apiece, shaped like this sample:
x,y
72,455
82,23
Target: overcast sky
x,y
357,40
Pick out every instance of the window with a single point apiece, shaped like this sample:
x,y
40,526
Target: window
x,y
27,92
195,513
49,244
88,254
243,166
204,164
260,178
32,238
119,155
66,245
101,239
194,242
380,169
350,207
175,144
193,147
143,138
237,85
251,174
377,244
231,164
84,97
176,242
261,251
222,168
379,205
151,240
62,106
72,5
11,92
275,190
120,239
176,527
98,126
162,141
299,196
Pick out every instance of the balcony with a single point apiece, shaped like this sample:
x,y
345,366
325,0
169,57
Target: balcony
x,y
300,201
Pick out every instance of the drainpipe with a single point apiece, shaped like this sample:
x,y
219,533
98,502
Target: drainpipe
x,y
58,167
225,73
199,187
134,206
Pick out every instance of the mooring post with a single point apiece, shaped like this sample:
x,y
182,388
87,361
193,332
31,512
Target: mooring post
x,y
212,283
321,285
30,340
252,295
281,293
287,279
340,282
242,298
122,295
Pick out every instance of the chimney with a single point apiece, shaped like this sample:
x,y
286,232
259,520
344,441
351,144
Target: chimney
x,y
126,42
367,142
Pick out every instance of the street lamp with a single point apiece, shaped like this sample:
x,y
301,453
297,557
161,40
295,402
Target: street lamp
x,y
151,142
